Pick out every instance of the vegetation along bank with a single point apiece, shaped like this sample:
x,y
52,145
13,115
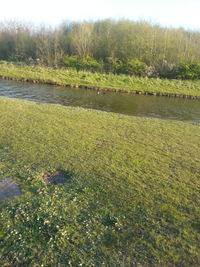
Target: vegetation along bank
x,y
111,46
101,81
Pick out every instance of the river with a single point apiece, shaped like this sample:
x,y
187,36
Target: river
x,y
136,105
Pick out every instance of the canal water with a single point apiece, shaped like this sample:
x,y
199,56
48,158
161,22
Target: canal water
x,y
136,105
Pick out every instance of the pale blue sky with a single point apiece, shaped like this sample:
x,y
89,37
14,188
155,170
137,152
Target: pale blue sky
x,y
165,12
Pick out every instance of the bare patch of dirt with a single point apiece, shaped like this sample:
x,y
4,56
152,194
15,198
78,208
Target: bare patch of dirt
x,y
8,189
59,177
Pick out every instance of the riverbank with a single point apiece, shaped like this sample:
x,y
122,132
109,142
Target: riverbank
x,y
101,82
131,194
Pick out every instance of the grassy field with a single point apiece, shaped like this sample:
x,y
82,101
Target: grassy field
x,y
132,198
107,81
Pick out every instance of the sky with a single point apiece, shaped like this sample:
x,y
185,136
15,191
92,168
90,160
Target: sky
x,y
171,13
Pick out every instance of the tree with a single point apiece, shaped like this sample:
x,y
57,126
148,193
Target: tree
x,y
81,38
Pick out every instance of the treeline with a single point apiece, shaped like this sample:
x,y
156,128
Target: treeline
x,y
134,48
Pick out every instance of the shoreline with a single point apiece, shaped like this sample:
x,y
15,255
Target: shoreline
x,y
95,88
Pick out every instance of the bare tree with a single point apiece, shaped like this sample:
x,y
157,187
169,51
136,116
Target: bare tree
x,y
81,37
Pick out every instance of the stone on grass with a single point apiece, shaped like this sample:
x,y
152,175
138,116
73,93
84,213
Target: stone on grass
x,y
8,189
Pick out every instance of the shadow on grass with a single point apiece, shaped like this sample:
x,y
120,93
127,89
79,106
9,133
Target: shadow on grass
x,y
58,177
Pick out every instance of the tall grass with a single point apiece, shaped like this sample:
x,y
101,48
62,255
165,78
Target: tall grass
x,y
99,80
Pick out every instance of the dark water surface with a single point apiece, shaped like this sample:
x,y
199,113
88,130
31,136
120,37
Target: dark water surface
x,y
137,105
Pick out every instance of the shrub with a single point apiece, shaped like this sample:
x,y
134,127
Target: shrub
x,y
70,62
135,67
187,71
113,65
84,63
90,63
165,70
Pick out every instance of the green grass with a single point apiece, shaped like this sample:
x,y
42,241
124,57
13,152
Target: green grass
x,y
132,200
109,81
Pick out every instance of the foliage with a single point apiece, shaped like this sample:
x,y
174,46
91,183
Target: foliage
x,y
70,61
113,65
84,63
187,71
166,70
135,67
121,46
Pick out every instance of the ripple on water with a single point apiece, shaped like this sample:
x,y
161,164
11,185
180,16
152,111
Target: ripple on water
x,y
135,105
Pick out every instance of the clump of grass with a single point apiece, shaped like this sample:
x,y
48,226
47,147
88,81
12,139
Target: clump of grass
x,y
132,197
108,81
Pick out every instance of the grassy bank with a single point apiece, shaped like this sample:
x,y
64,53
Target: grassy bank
x,y
132,198
120,83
